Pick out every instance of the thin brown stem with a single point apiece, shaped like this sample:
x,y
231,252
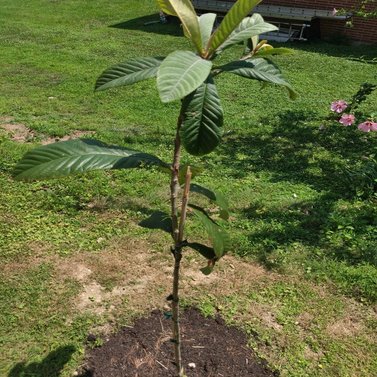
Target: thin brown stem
x,y
177,261
185,200
177,249
175,310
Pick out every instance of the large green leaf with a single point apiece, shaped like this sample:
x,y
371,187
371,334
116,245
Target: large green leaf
x,y
272,51
206,22
129,72
248,28
219,238
232,19
215,197
184,10
258,69
78,156
201,130
180,74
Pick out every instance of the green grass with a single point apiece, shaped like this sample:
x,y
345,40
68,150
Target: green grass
x,y
298,194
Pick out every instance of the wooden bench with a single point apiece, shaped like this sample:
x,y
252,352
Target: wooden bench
x,y
291,21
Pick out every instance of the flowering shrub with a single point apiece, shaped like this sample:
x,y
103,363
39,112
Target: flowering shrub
x,y
339,106
347,119
368,126
347,114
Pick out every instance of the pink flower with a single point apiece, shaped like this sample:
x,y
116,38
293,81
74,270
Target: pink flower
x,y
334,12
347,119
367,126
339,106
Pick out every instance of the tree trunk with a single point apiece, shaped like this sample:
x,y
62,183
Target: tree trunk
x,y
177,248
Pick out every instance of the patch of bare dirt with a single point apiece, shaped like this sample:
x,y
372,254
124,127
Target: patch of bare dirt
x,y
312,355
135,272
21,133
18,132
267,316
305,320
346,326
73,135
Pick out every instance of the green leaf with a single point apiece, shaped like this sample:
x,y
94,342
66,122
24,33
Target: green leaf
x,y
215,197
207,270
158,220
78,156
232,19
166,7
128,73
195,171
248,28
206,22
259,69
219,238
184,10
180,74
201,129
204,250
271,51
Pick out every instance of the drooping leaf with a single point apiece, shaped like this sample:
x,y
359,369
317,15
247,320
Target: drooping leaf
x,y
128,72
219,238
180,74
78,156
204,250
207,270
166,7
206,22
201,129
158,220
215,197
232,19
248,28
271,51
185,11
259,69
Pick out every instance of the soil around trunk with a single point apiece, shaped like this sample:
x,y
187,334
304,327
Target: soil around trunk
x,y
209,348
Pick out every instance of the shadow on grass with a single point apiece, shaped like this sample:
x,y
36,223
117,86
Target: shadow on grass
x,y
296,151
50,366
350,52
151,24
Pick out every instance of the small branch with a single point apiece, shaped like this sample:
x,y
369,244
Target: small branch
x,y
174,183
161,365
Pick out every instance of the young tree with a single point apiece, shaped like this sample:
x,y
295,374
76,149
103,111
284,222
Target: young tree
x,y
187,76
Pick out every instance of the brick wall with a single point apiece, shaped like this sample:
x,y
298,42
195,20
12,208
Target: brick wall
x,y
363,30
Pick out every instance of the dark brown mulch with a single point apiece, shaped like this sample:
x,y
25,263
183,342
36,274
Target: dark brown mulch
x,y
210,348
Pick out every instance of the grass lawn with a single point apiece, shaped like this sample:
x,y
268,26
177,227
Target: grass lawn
x,y
302,276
